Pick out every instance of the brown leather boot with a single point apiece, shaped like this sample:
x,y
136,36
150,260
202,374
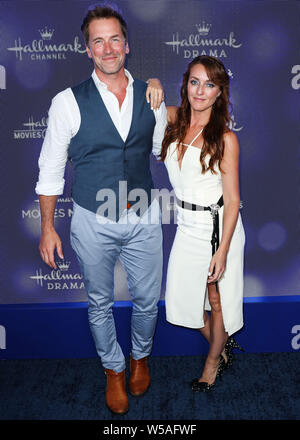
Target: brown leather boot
x,y
116,397
139,376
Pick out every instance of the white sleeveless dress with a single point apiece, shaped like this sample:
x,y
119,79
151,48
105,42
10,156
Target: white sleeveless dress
x,y
191,253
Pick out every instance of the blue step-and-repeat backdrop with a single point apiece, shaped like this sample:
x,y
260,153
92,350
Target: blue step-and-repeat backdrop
x,y
42,52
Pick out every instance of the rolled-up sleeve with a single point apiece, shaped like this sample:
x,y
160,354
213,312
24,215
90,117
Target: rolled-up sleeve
x,y
159,130
54,152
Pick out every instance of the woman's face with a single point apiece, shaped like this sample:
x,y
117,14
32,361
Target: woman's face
x,y
202,93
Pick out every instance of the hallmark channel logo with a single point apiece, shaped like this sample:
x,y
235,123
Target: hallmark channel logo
x,y
200,43
33,129
59,279
45,34
43,49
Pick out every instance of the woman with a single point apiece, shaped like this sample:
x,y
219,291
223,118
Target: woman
x,y
205,270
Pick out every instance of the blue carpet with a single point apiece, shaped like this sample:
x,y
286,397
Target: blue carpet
x,y
263,386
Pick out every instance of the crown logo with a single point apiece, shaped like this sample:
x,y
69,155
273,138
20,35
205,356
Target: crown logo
x,y
63,265
46,33
203,28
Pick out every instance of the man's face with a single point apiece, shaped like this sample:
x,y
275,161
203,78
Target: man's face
x,y
107,46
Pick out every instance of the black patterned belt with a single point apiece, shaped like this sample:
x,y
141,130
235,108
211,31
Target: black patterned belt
x,y
214,210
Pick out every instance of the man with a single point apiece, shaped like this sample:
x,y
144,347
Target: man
x,y
108,130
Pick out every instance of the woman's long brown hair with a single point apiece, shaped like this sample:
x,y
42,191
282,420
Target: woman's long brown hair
x,y
219,119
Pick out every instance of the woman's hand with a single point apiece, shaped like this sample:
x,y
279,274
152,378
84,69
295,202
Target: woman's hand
x,y
217,266
154,93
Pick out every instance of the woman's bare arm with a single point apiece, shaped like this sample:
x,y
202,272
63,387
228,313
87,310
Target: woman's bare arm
x,y
231,197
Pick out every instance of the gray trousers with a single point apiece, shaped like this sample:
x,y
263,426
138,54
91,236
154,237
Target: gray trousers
x,y
139,248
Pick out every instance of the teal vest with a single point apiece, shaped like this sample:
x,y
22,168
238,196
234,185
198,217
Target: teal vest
x,y
101,158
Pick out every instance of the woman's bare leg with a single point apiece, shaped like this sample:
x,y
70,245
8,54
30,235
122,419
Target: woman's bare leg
x,y
217,336
205,331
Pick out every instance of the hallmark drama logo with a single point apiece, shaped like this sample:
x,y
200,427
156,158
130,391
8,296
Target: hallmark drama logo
x,y
33,129
44,49
59,279
201,43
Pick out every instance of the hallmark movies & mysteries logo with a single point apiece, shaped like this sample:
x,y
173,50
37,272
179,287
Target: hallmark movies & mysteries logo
x,y
62,211
33,129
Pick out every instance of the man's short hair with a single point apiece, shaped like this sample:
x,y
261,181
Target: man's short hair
x,y
104,10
